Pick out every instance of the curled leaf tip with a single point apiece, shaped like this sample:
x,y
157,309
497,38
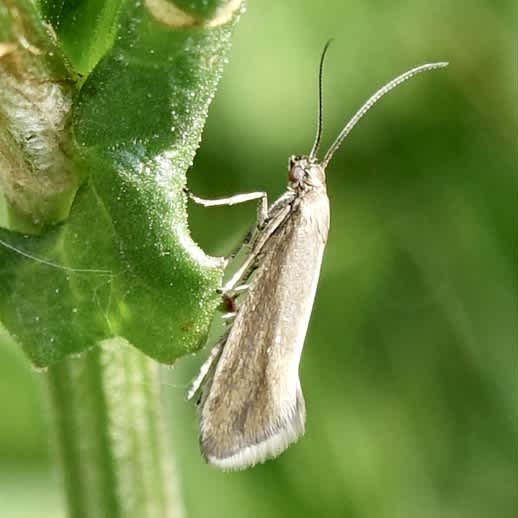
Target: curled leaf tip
x,y
169,14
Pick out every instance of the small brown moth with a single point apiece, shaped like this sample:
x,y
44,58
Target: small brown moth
x,y
251,403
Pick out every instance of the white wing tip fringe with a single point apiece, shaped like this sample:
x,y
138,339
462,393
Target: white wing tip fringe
x,y
289,428
253,454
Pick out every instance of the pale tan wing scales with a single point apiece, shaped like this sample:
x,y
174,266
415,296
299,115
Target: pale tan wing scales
x,y
252,406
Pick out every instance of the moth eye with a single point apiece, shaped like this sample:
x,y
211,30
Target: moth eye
x,y
296,173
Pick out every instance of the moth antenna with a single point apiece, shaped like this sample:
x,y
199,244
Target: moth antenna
x,y
372,101
320,122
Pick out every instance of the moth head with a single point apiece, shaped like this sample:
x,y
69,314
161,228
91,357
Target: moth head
x,y
305,172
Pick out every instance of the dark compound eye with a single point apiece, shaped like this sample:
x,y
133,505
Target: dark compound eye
x,y
296,173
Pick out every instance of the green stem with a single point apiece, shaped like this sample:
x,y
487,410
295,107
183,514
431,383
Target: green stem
x,y
110,436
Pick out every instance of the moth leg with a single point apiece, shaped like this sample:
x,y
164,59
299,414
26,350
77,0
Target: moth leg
x,y
279,211
230,295
204,369
240,289
229,305
242,274
228,318
262,212
241,246
262,207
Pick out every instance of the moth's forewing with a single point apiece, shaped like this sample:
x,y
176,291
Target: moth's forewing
x,y
252,406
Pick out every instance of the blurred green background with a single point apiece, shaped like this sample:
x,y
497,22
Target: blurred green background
x,y
408,370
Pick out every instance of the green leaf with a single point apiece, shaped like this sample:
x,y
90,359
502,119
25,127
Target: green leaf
x,y
124,264
85,28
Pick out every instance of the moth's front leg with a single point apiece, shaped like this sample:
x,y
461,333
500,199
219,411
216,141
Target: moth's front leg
x,y
262,206
262,212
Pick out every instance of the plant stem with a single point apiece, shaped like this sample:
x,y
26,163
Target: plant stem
x,y
110,436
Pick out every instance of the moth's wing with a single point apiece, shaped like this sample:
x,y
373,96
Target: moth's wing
x,y
278,213
208,364
252,406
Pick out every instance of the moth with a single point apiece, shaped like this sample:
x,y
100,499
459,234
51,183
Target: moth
x,y
251,406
